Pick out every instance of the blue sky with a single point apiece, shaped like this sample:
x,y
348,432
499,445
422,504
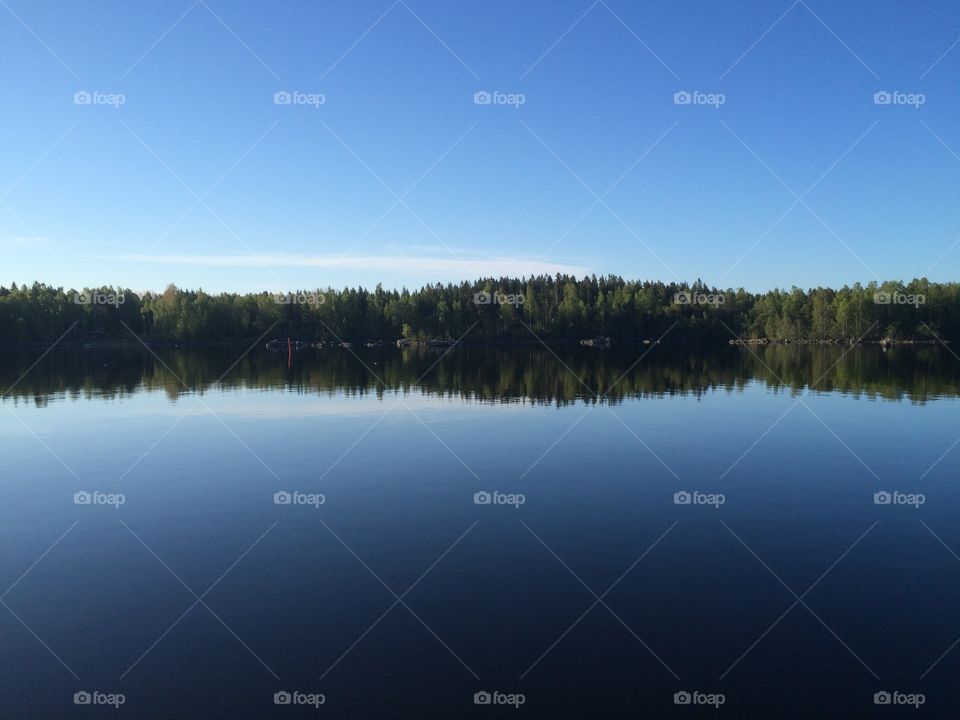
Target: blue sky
x,y
399,177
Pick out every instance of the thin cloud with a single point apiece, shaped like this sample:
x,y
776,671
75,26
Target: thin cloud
x,y
466,268
25,240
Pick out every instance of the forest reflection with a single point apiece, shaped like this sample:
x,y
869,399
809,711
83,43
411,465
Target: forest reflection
x,y
560,375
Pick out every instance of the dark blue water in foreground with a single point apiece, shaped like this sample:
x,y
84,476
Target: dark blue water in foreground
x,y
400,596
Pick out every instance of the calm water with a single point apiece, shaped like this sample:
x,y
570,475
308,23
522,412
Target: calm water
x,y
783,586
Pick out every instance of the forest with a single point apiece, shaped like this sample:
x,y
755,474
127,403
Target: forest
x,y
558,308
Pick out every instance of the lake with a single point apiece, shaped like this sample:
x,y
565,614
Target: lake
x,y
371,533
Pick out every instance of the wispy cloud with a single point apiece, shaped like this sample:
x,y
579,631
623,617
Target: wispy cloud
x,y
466,268
24,240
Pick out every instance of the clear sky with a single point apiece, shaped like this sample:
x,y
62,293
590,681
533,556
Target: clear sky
x,y
383,168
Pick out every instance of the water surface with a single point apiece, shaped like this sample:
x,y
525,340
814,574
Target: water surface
x,y
598,596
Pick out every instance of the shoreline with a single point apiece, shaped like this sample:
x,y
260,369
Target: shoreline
x,y
400,344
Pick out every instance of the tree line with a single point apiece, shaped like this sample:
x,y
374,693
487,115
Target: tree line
x,y
547,307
